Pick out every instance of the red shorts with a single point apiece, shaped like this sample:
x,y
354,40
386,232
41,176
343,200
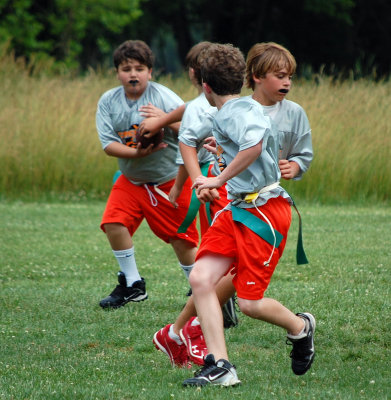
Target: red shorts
x,y
249,251
128,204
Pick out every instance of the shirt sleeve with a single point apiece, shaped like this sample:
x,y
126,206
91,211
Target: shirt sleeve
x,y
300,148
104,125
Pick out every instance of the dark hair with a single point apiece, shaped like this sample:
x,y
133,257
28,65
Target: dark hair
x,y
192,59
223,68
133,49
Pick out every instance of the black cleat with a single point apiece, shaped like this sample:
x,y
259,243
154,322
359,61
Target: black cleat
x,y
229,313
303,352
123,294
220,372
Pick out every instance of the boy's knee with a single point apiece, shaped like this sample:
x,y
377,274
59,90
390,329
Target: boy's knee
x,y
198,280
246,306
114,228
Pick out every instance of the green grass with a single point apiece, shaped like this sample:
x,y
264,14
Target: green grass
x,y
56,342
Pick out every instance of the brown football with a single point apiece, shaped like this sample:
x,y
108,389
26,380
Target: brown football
x,y
145,141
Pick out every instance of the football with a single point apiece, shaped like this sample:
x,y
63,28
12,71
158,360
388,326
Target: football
x,y
146,141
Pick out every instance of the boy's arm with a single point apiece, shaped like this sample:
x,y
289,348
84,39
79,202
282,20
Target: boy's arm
x,y
190,159
176,189
156,119
296,148
242,160
119,150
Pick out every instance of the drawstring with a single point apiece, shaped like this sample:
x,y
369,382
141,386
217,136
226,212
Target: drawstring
x,y
252,197
152,197
266,263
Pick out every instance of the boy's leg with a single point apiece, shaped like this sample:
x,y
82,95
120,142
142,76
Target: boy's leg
x,y
118,223
131,286
300,328
185,253
191,336
204,278
270,310
217,370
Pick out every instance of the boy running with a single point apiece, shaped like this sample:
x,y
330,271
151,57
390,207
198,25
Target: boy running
x,y
251,232
148,174
268,72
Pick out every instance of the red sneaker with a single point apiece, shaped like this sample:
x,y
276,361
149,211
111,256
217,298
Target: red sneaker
x,y
194,340
177,353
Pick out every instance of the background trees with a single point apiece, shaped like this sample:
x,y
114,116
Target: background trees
x,y
339,35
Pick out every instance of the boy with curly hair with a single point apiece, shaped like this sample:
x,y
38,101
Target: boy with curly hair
x,y
251,232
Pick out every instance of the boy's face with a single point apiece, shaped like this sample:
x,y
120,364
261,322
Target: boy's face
x,y
273,87
134,77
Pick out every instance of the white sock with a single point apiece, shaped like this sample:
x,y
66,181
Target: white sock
x,y
173,335
186,269
127,264
303,332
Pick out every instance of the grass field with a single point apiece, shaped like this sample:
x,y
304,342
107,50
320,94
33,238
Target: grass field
x,y
56,342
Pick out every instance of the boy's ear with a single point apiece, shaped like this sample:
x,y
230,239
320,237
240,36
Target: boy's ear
x,y
256,79
206,87
150,74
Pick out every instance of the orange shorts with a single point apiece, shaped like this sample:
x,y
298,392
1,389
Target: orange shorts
x,y
128,204
234,240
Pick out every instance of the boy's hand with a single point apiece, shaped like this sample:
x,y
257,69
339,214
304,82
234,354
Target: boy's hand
x,y
202,182
151,124
173,195
207,195
150,111
150,127
210,145
289,169
142,152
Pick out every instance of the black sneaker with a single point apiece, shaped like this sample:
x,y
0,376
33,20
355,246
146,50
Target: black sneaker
x,y
303,352
221,373
229,313
123,294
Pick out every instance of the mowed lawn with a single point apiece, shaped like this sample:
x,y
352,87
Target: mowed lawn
x,y
56,342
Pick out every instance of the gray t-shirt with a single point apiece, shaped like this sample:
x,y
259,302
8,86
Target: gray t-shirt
x,y
294,133
116,121
239,125
193,118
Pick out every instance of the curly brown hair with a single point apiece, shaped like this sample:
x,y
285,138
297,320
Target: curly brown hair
x,y
192,59
267,57
133,49
222,68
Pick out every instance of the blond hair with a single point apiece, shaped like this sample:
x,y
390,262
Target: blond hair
x,y
267,57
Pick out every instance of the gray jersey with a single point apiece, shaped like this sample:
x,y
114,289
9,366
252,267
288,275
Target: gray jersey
x,y
117,120
196,126
294,134
239,125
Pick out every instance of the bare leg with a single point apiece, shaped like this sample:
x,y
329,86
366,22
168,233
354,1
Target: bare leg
x,y
224,289
184,251
206,273
270,310
118,236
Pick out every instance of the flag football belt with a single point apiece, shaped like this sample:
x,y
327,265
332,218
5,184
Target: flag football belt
x,y
195,205
257,225
266,230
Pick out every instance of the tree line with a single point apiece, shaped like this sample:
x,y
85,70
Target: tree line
x,y
338,36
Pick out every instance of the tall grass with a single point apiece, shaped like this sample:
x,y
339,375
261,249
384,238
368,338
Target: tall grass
x,y
50,146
